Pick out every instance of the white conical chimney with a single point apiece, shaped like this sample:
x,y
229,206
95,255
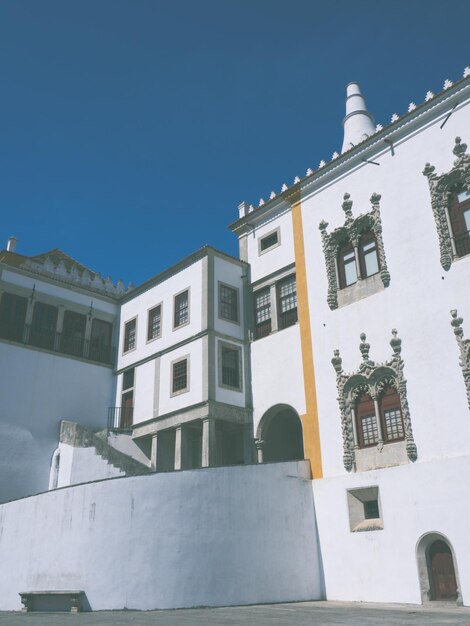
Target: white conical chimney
x,y
11,245
358,122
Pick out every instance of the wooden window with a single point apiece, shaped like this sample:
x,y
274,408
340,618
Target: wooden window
x,y
181,315
130,335
228,303
459,213
262,299
230,366
73,333
100,342
126,417
287,302
12,316
391,416
347,266
43,327
368,257
366,421
179,376
154,325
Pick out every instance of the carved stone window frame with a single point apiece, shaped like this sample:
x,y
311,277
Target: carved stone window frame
x,y
373,379
442,189
464,347
351,231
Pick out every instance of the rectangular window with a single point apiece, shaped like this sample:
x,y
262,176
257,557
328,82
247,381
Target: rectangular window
x,y
371,262
181,315
179,376
230,366
271,240
228,303
130,335
43,327
393,424
459,213
127,399
154,326
12,316
369,430
364,509
262,313
287,298
128,379
73,333
349,265
100,342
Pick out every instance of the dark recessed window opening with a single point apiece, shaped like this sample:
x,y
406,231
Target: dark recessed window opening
x,y
269,241
371,509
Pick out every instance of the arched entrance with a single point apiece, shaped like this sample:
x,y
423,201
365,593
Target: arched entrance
x,y
437,569
280,431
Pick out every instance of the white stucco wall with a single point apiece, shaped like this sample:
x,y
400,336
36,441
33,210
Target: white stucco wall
x,y
39,389
79,465
167,540
417,302
277,375
278,257
163,293
381,565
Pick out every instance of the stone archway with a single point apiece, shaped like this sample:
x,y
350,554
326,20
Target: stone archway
x,y
280,435
437,568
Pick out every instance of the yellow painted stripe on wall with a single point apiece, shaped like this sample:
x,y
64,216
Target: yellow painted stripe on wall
x,y
310,426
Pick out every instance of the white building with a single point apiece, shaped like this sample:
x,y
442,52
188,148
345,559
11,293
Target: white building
x,y
336,338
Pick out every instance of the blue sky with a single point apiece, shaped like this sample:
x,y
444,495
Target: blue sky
x,y
132,129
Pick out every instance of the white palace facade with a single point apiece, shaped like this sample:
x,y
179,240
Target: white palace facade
x,y
292,424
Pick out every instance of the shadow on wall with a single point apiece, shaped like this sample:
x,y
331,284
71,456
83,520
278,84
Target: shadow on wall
x,y
21,464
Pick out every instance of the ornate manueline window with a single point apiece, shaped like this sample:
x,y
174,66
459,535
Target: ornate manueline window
x,y
354,253
464,346
450,201
375,417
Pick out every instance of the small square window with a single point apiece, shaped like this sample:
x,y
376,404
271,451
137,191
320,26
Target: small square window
x,y
228,303
130,335
181,314
154,327
364,509
269,241
179,376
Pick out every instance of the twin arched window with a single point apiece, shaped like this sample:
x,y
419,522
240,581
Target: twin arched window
x,y
381,423
360,262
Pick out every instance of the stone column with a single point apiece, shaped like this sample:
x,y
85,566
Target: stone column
x,y
178,447
273,298
153,454
259,449
451,232
208,442
358,265
379,425
354,427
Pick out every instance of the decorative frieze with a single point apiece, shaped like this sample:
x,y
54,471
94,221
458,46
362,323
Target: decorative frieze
x,y
373,379
351,231
442,189
464,347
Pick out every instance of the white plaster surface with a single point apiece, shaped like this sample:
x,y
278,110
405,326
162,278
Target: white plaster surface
x,y
39,389
80,465
380,565
179,539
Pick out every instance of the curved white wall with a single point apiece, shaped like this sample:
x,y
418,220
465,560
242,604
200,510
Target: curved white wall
x,y
211,537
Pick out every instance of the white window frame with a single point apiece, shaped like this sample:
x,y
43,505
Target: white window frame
x,y
124,351
188,290
172,364
238,348
160,304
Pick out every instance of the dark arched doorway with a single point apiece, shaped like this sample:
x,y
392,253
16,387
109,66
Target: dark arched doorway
x,y
441,572
438,575
281,433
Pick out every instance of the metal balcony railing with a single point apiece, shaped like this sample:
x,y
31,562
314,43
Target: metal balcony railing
x,y
48,339
120,418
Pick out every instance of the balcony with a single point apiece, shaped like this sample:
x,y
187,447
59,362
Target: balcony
x,y
52,341
120,418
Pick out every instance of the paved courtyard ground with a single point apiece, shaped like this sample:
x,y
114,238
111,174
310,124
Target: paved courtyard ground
x,y
296,614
